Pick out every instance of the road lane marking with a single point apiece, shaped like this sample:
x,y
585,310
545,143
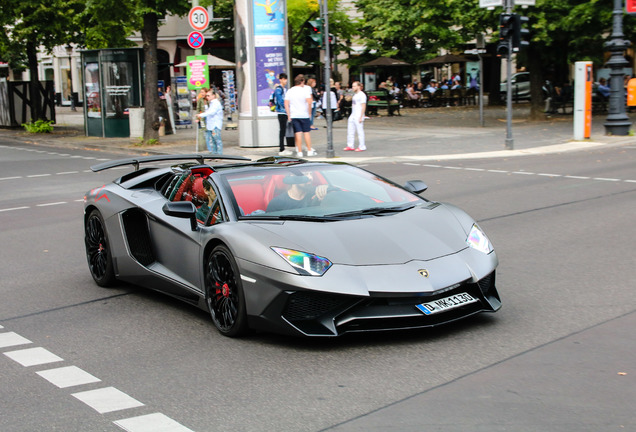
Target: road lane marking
x,y
102,400
68,376
33,356
14,208
38,175
51,204
11,178
151,423
606,179
525,173
107,399
67,172
12,339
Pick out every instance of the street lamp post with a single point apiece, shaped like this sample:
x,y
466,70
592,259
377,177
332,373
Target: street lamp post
x,y
69,52
617,122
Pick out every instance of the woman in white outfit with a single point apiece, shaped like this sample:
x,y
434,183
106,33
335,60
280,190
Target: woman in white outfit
x,y
356,119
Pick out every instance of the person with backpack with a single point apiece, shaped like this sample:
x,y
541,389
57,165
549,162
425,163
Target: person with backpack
x,y
278,101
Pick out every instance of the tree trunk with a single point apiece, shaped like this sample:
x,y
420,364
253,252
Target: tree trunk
x,y
151,97
537,104
34,83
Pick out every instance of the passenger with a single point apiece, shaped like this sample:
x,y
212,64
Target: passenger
x,y
203,191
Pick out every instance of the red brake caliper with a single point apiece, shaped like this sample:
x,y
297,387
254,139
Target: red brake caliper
x,y
224,290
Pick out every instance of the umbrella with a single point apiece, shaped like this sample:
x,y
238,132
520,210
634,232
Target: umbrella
x,y
300,64
213,62
386,61
444,59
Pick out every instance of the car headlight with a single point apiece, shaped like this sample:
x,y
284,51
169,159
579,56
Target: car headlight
x,y
478,240
307,264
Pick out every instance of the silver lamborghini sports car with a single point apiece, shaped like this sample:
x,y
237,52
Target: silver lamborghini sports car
x,y
289,246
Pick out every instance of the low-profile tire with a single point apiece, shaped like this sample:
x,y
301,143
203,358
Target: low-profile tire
x,y
98,252
224,293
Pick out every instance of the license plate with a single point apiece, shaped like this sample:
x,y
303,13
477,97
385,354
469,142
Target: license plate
x,y
447,303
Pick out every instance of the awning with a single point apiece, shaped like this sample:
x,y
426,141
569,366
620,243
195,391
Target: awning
x,y
386,61
213,62
444,59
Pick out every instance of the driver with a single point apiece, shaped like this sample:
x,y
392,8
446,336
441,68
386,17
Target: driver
x,y
301,193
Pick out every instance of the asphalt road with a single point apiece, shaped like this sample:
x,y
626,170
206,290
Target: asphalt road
x,y
559,355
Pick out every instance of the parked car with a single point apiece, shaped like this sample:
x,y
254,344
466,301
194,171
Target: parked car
x,y
520,86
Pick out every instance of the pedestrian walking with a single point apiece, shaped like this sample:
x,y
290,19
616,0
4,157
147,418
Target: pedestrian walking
x,y
298,107
311,88
214,123
356,119
279,100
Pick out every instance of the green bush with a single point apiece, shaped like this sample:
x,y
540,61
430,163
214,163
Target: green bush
x,y
40,126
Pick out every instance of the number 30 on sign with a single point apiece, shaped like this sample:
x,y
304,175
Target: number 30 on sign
x,y
199,18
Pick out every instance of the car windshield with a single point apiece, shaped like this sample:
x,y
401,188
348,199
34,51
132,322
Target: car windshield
x,y
315,192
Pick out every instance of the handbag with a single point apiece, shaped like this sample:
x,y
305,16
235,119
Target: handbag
x,y
289,131
337,115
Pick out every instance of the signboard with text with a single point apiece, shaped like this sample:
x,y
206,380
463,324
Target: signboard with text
x,y
270,50
630,6
197,72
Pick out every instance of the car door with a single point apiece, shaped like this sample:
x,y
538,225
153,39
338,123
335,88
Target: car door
x,y
177,247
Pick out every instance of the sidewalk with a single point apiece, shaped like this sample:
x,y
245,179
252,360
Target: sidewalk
x,y
419,134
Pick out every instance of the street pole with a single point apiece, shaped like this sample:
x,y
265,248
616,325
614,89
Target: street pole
x,y
481,45
328,116
69,51
617,122
510,145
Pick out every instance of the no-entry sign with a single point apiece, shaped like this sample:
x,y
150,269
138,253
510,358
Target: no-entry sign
x,y
199,18
196,40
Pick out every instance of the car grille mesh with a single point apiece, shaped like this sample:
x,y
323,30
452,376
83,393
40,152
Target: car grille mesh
x,y
309,305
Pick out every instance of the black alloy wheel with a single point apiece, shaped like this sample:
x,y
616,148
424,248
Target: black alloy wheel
x,y
224,293
98,254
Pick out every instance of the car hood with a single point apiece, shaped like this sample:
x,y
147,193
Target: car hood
x,y
422,233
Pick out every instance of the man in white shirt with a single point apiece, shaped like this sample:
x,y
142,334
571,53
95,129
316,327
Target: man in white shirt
x,y
356,119
214,123
298,107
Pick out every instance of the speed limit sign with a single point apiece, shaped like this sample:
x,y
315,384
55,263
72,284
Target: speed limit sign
x,y
199,18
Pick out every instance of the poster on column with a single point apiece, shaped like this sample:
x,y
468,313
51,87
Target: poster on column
x,y
270,49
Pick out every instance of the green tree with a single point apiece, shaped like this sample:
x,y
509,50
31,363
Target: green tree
x,y
27,26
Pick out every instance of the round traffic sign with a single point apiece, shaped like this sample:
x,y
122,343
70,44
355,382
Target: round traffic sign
x,y
196,40
199,18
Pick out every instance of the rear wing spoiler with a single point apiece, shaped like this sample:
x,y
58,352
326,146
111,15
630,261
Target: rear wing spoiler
x,y
144,159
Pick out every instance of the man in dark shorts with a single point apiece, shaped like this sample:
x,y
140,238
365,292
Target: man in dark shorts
x,y
298,100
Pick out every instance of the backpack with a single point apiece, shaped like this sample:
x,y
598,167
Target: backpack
x,y
272,99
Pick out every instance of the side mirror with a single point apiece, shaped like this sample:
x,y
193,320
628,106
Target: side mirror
x,y
183,210
415,186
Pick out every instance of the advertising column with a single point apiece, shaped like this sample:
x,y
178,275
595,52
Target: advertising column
x,y
261,54
582,100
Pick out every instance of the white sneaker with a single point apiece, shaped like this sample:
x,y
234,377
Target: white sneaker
x,y
286,153
312,152
299,154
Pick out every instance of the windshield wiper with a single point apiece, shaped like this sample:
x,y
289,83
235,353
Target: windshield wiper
x,y
374,211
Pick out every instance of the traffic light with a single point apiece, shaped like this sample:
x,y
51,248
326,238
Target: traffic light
x,y
506,26
503,49
316,33
520,33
